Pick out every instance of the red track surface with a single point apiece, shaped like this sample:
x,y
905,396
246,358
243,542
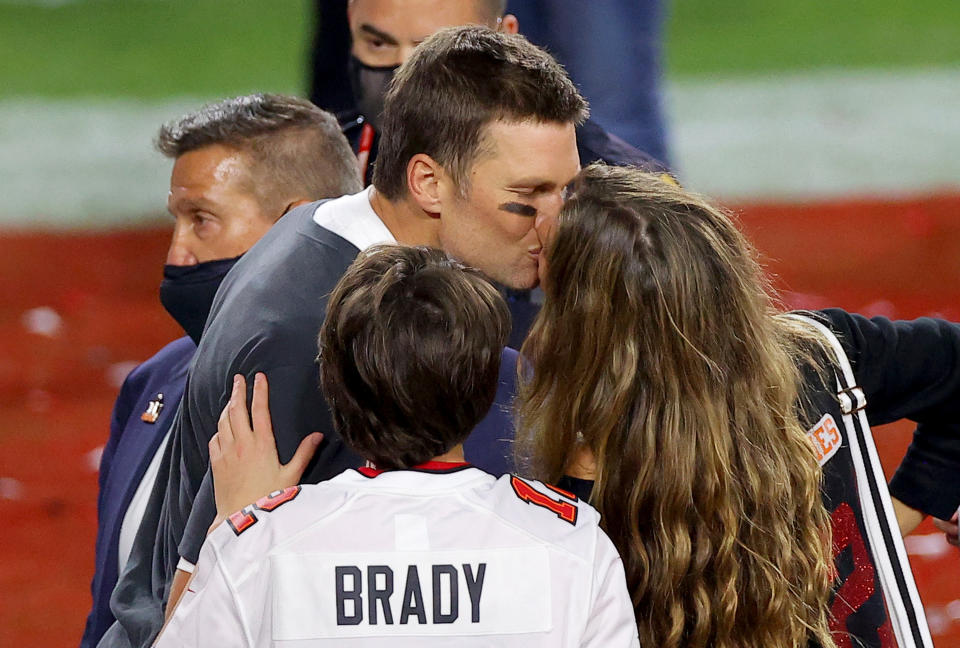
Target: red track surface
x,y
56,388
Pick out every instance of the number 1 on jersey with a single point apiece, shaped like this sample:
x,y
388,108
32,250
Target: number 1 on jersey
x,y
563,509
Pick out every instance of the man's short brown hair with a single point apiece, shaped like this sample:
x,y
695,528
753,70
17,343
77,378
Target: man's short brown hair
x,y
410,353
295,149
454,85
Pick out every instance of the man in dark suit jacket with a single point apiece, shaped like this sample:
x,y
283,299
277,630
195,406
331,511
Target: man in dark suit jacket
x,y
225,193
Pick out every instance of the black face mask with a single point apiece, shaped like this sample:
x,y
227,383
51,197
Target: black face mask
x,y
369,86
187,292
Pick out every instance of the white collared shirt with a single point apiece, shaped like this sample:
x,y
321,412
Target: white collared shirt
x,y
352,218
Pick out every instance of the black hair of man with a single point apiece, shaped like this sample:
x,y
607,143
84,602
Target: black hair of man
x,y
295,149
410,353
455,84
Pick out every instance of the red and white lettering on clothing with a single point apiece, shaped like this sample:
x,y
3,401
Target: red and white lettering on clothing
x,y
421,557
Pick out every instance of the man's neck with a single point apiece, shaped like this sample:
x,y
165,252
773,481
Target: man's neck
x,y
409,224
453,455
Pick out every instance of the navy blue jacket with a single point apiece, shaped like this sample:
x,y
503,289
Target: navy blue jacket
x,y
490,445
126,456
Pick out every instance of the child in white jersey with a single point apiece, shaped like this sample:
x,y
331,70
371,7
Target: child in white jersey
x,y
420,549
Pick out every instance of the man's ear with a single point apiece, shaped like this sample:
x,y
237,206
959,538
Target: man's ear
x,y
290,205
509,24
424,176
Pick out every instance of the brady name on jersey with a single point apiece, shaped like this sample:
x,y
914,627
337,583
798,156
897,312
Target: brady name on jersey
x,y
440,553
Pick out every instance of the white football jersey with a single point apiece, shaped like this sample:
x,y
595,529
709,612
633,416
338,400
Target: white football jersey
x,y
441,555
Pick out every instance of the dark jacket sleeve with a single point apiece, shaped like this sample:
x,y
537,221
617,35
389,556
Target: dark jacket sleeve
x,y
201,517
928,478
122,408
911,369
130,391
490,444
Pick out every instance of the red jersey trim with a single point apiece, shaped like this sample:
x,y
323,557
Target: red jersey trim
x,y
439,467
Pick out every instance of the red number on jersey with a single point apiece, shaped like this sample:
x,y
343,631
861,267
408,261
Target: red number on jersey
x,y
244,518
563,509
277,498
859,585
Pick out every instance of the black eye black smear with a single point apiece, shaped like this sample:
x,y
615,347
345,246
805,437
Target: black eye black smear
x,y
518,208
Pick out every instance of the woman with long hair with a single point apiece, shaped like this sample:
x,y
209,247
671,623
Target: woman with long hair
x,y
723,440
662,371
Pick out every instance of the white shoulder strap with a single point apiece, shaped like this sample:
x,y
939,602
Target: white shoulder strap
x,y
900,590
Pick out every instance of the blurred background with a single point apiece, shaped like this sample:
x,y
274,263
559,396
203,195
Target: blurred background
x,y
833,129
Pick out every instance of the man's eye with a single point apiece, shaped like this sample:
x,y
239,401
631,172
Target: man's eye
x,y
202,221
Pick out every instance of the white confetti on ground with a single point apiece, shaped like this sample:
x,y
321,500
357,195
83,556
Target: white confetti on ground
x,y
42,320
118,372
38,401
938,622
953,609
931,545
10,489
93,458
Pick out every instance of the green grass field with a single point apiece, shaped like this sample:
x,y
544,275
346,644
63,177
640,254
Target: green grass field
x,y
711,38
153,48
161,48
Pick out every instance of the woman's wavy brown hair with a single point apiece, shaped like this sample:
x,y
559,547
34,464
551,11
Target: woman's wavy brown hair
x,y
659,348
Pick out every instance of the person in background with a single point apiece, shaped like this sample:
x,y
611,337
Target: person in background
x,y
359,44
238,166
613,52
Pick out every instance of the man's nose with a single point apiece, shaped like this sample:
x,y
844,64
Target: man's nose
x,y
179,253
546,224
406,51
